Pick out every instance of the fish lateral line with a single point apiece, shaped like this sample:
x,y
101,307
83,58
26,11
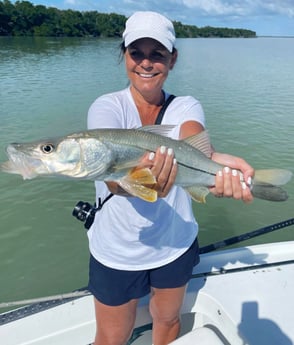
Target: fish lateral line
x,y
196,169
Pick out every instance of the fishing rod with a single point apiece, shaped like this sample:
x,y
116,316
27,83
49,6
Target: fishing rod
x,y
246,236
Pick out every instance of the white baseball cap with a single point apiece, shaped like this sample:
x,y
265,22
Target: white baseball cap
x,y
152,25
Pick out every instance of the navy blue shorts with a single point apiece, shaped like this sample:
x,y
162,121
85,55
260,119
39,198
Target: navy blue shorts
x,y
115,287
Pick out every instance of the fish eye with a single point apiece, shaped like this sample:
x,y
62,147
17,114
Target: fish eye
x,y
47,148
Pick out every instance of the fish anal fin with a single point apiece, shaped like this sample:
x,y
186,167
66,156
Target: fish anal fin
x,y
198,193
201,142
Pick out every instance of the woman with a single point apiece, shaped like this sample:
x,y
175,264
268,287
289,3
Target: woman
x,y
137,247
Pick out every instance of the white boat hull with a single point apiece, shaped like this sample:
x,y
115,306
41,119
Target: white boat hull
x,y
238,296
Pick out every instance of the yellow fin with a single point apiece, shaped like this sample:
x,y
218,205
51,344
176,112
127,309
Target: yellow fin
x,y
198,193
141,176
135,184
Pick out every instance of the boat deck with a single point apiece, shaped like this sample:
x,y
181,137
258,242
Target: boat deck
x,y
238,296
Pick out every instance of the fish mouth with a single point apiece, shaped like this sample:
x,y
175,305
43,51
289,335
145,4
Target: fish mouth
x,y
20,163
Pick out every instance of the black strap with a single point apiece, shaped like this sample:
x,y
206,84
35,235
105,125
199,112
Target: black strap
x,y
163,109
101,203
157,122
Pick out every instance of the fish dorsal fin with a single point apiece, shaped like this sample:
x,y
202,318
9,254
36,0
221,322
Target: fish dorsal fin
x,y
163,130
201,142
136,183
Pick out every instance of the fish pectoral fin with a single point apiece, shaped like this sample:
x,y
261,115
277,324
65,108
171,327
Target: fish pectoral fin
x,y
136,183
198,193
127,165
201,142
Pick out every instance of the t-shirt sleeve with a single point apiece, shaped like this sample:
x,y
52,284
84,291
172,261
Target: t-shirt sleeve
x,y
181,110
185,109
194,111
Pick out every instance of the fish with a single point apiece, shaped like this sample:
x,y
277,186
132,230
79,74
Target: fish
x,y
115,154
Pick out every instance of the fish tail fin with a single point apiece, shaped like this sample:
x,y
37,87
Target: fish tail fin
x,y
138,183
276,177
267,182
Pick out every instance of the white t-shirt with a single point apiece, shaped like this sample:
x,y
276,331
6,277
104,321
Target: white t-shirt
x,y
129,233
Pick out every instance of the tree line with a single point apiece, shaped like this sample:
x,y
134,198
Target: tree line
x,y
25,19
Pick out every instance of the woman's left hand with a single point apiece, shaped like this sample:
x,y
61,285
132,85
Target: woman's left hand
x,y
228,182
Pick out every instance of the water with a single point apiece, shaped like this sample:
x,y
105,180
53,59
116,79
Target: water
x,y
245,86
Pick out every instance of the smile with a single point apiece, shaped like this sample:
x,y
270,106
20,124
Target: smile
x,y
145,75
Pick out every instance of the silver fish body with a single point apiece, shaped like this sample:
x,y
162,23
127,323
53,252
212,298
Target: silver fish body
x,y
115,154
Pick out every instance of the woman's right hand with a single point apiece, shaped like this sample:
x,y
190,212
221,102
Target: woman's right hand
x,y
163,167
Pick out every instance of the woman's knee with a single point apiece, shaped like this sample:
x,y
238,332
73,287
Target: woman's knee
x,y
165,306
114,324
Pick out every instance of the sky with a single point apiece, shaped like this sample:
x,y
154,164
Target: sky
x,y
265,17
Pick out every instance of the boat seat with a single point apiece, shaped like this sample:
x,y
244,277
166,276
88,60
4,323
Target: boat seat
x,y
202,335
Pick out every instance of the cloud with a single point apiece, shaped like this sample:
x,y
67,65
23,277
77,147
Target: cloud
x,y
70,2
241,7
284,7
266,17
217,7
183,8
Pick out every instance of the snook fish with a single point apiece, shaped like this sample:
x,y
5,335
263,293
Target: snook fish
x,y
114,155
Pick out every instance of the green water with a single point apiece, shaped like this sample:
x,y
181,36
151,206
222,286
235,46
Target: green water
x,y
46,86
